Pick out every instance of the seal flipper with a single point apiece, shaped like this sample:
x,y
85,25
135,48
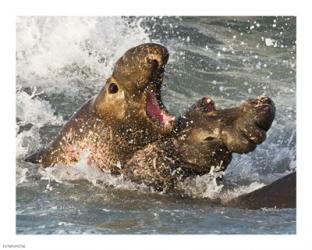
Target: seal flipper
x,y
279,194
35,157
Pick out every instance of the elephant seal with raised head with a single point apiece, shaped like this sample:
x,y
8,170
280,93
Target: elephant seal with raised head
x,y
126,115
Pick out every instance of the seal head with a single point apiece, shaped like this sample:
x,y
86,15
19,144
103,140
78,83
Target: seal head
x,y
126,115
133,92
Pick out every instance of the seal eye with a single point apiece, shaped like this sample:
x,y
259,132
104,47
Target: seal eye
x,y
113,88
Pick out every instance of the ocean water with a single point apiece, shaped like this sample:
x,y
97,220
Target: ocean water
x,y
63,61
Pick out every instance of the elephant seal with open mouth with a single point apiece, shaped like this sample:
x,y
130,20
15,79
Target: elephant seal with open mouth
x,y
125,116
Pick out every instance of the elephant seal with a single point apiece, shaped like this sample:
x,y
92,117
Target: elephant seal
x,y
126,129
126,115
204,139
279,194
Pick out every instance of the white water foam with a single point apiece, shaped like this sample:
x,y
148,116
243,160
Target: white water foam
x,y
82,170
27,141
31,110
21,175
56,46
202,186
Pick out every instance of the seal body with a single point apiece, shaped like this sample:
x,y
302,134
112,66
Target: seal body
x,y
279,194
86,135
203,141
126,115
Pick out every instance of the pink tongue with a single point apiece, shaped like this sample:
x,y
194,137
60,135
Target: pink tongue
x,y
154,111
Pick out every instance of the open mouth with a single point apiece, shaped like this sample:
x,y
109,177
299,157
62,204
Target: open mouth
x,y
156,110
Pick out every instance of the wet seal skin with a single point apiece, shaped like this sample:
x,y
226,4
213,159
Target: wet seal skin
x,y
126,115
279,194
203,140
240,128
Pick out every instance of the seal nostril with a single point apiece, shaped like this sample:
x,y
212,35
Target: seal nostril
x,y
153,62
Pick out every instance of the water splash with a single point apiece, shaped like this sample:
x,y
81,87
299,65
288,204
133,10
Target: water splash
x,y
27,141
32,110
73,46
21,175
32,113
82,170
205,186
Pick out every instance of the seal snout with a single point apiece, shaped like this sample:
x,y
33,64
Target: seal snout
x,y
141,65
261,101
156,52
265,107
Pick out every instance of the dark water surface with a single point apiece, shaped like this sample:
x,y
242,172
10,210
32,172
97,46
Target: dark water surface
x,y
63,61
